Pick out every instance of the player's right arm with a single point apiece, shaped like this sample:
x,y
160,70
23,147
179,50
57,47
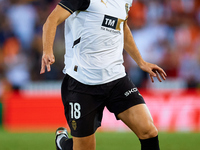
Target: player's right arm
x,y
58,15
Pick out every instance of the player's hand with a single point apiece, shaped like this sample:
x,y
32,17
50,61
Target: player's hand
x,y
154,71
47,61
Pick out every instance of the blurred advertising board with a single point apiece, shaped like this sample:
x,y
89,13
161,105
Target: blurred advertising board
x,y
172,110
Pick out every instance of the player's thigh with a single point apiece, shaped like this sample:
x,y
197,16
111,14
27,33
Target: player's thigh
x,y
84,143
139,120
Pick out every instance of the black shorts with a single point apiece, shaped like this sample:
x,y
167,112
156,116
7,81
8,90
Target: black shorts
x,y
84,104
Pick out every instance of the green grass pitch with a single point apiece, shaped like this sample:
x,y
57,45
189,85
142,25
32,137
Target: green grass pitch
x,y
105,141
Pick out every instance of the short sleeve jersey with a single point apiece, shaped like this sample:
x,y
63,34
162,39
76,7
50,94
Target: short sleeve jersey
x,y
94,39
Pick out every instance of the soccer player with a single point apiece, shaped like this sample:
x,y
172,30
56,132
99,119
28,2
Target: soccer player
x,y
96,32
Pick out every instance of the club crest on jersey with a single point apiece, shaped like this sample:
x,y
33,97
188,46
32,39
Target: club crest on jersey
x,y
111,24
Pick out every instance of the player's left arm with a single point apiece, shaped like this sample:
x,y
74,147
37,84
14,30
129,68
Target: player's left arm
x,y
132,50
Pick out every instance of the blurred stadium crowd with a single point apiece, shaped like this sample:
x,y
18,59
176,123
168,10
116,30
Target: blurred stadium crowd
x,y
167,32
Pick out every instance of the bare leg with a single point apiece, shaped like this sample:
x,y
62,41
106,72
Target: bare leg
x,y
139,120
84,143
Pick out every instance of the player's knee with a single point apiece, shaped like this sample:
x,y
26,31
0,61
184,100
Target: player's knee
x,y
148,131
84,143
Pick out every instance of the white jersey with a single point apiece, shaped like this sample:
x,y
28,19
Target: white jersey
x,y
94,42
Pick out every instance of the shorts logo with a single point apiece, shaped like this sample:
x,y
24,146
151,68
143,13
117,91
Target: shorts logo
x,y
74,125
130,91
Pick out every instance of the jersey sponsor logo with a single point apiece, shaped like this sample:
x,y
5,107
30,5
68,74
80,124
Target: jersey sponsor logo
x,y
133,90
111,24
